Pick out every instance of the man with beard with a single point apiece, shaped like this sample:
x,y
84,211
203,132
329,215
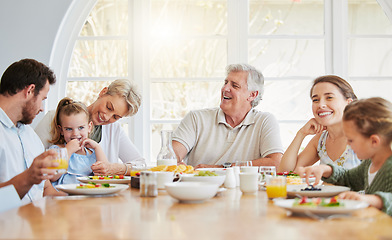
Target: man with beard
x,y
23,87
235,131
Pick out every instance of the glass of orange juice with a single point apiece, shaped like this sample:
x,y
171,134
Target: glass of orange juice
x,y
276,187
62,159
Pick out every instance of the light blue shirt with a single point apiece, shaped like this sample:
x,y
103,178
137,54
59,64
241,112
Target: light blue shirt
x,y
18,147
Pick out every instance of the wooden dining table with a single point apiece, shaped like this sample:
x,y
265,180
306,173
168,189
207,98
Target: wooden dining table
x,y
229,215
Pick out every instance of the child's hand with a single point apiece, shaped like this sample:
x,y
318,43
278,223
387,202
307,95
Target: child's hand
x,y
352,196
89,143
316,171
371,199
73,146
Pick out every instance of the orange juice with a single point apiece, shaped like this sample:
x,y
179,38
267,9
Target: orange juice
x,y
276,191
63,163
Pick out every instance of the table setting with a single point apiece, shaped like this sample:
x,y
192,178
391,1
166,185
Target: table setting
x,y
184,209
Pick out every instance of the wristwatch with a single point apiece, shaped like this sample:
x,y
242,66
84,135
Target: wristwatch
x,y
227,164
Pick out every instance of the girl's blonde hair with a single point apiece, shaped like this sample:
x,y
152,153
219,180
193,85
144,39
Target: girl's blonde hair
x,y
66,107
371,116
128,90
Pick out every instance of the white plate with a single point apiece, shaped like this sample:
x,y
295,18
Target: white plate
x,y
348,207
126,180
71,189
326,191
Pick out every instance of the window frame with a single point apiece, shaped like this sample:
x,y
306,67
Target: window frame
x,y
139,126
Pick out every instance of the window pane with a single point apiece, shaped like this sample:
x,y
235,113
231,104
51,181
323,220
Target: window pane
x,y
379,88
287,99
370,57
172,100
286,57
286,17
85,91
367,17
156,138
108,18
188,17
99,58
288,132
188,58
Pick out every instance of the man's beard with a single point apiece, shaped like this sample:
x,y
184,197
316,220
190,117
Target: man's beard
x,y
28,113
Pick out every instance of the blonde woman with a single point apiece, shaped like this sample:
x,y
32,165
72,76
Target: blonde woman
x,y
119,99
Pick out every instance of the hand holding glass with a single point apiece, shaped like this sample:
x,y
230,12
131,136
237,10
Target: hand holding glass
x,y
62,159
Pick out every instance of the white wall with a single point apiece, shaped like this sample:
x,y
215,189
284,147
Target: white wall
x,y
28,29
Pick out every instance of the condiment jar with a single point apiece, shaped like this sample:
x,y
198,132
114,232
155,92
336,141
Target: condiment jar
x,y
148,184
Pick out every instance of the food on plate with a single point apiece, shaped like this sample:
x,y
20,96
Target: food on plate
x,y
294,180
291,178
311,188
94,185
174,168
158,168
290,173
205,173
318,202
106,177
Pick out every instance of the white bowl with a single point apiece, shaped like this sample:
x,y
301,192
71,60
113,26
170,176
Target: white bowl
x,y
220,179
191,192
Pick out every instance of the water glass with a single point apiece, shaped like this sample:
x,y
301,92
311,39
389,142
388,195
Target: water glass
x,y
266,172
240,163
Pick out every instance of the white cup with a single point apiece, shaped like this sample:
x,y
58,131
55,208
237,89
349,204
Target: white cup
x,y
249,169
163,178
249,182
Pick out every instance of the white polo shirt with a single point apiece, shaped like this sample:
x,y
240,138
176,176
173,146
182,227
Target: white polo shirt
x,y
18,147
209,139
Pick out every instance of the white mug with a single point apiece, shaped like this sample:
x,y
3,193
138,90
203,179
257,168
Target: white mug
x,y
163,178
249,182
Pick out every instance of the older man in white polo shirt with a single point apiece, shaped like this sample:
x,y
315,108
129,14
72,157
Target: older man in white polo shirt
x,y
233,132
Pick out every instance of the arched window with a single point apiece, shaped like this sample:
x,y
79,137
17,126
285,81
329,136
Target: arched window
x,y
177,50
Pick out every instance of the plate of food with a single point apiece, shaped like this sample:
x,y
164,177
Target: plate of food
x,y
91,188
315,191
116,179
320,206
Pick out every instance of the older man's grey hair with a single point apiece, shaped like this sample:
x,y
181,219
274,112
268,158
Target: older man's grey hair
x,y
255,79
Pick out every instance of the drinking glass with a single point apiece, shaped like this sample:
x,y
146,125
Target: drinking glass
x,y
62,159
276,187
240,163
267,172
137,166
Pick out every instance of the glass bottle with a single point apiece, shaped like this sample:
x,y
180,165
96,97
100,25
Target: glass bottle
x,y
166,155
